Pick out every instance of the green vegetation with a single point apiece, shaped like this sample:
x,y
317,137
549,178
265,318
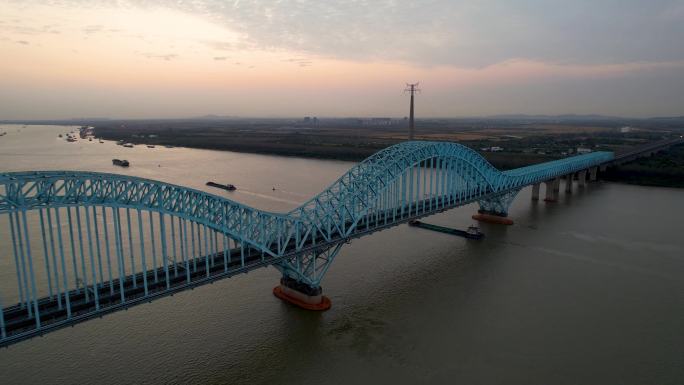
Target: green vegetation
x,y
664,169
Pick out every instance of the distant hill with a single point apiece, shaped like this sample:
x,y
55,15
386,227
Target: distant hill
x,y
556,117
668,118
212,117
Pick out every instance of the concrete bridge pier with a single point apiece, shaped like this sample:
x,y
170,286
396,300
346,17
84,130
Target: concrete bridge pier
x,y
535,192
495,209
552,190
568,183
593,173
581,178
301,295
492,217
556,187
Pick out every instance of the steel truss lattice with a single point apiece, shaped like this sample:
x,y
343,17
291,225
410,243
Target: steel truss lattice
x,y
85,244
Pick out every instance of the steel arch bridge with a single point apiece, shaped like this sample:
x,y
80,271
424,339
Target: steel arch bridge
x,y
84,244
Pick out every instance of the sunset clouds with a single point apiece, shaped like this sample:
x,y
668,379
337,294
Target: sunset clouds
x,y
279,58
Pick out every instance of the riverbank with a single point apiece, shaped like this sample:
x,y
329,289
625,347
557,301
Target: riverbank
x,y
665,169
504,146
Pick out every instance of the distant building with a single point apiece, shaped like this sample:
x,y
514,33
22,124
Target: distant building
x,y
583,150
377,122
492,149
625,129
310,121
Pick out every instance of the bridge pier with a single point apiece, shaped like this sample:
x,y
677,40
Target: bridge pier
x,y
568,183
581,178
302,275
556,187
592,173
535,192
552,190
492,217
302,295
495,209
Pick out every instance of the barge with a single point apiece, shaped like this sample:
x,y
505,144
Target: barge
x,y
227,187
473,232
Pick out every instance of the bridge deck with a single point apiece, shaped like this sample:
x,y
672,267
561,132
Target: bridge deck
x,y
194,272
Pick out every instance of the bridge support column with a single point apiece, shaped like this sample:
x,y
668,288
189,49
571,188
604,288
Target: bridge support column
x,y
301,295
495,209
302,275
581,178
568,183
535,192
552,190
556,187
592,173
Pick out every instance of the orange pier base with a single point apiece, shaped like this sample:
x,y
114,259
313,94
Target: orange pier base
x,y
489,218
298,299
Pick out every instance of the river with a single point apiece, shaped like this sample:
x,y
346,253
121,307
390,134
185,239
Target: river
x,y
586,291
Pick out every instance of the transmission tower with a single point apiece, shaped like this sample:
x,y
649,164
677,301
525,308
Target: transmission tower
x,y
411,88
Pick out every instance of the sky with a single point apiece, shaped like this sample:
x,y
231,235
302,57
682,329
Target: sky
x,y
64,59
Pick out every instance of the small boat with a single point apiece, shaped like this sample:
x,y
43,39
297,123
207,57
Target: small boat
x,y
71,140
228,187
90,139
119,162
128,145
59,136
101,141
150,146
474,232
119,142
